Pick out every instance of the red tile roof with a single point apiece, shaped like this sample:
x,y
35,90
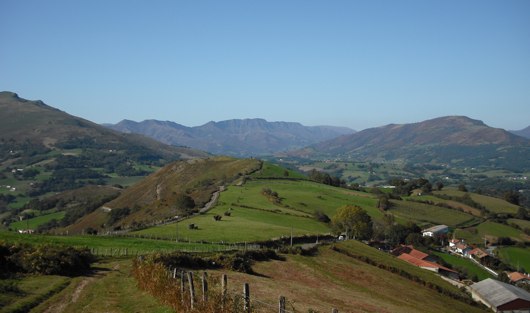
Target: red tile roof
x,y
422,263
516,276
479,253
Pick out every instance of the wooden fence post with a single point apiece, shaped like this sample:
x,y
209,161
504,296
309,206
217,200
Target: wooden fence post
x,y
224,286
192,289
182,290
281,308
246,298
204,287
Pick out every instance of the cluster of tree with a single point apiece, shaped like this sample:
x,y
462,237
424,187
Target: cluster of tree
x,y
272,195
75,209
5,200
118,214
405,187
184,203
353,221
47,260
66,179
320,216
325,178
11,148
95,150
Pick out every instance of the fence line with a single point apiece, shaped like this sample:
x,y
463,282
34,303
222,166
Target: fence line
x,y
249,303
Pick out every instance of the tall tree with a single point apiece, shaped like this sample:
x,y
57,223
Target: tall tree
x,y
354,221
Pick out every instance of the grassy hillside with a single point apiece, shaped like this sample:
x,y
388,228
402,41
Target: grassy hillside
x,y
517,257
254,216
492,204
336,280
425,214
157,196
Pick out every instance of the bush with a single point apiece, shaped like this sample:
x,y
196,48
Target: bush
x,y
46,260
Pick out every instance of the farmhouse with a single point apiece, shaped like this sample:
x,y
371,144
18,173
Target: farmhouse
x,y
501,297
430,266
516,277
435,231
423,260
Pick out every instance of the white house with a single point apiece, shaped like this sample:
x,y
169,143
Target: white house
x,y
435,231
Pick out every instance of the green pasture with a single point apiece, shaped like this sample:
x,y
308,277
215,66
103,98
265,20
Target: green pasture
x,y
429,214
521,223
517,257
35,222
254,216
34,290
499,230
134,245
244,225
270,170
494,205
451,203
458,263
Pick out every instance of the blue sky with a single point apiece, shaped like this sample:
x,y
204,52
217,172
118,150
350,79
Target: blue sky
x,y
347,63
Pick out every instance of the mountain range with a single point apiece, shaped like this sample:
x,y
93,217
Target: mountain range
x,y
523,132
237,137
451,140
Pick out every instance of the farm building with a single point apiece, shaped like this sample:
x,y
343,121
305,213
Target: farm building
x,y
501,297
516,277
430,266
435,231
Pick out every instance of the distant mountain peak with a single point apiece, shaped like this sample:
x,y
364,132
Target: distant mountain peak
x,y
445,139
236,137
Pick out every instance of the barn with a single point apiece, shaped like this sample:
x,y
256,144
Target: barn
x,y
501,297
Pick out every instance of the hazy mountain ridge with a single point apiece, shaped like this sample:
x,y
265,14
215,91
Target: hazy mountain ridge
x,y
525,132
442,140
236,137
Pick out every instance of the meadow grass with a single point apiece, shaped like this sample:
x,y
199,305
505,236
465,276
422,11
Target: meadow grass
x,y
134,245
459,262
35,222
494,205
451,203
429,214
244,225
254,216
517,257
499,230
110,289
521,223
34,290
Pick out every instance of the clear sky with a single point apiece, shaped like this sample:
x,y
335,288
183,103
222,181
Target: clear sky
x,y
347,63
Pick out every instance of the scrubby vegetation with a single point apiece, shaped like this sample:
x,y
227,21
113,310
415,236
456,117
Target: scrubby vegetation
x,y
46,260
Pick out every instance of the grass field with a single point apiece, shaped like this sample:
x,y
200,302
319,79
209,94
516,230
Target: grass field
x,y
35,222
255,217
109,289
424,214
517,257
494,205
521,223
34,290
451,203
335,280
500,230
459,263
134,245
